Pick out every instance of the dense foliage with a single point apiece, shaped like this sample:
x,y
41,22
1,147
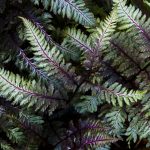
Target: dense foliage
x,y
74,74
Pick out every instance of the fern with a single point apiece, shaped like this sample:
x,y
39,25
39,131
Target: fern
x,y
131,16
89,134
15,135
26,95
146,2
116,118
60,74
115,94
5,146
102,34
53,61
72,9
79,39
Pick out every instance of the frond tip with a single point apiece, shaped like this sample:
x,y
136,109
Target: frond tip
x,y
102,34
116,93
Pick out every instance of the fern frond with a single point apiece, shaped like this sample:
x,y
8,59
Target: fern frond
x,y
13,86
5,146
103,33
116,118
29,64
97,140
138,127
30,120
92,124
129,16
87,134
49,39
51,58
16,135
73,9
79,39
146,2
88,104
115,93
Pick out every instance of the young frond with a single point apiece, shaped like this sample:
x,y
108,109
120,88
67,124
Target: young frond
x,y
73,9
